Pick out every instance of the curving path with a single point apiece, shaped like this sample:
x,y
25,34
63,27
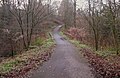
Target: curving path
x,y
65,62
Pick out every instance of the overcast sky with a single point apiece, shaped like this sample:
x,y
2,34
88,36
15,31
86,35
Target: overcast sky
x,y
80,3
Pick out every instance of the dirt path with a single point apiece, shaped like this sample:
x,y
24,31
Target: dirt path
x,y
64,63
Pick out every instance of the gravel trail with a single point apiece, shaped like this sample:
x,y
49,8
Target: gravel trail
x,y
66,62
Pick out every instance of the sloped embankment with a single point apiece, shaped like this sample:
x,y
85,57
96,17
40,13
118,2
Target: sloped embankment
x,y
106,67
19,65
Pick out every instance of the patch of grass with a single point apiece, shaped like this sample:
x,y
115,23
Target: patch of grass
x,y
78,44
111,49
75,42
105,53
48,43
63,35
11,63
8,66
38,41
84,46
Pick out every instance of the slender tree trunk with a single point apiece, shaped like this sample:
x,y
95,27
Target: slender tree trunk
x,y
22,31
113,27
32,28
74,13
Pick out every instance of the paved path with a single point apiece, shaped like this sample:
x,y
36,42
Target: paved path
x,y
65,62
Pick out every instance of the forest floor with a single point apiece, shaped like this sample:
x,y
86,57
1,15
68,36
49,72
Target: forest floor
x,y
106,63
19,65
67,59
66,62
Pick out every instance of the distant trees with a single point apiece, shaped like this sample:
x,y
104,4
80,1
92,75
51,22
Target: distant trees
x,y
114,14
5,35
28,15
93,20
103,18
22,18
5,15
66,11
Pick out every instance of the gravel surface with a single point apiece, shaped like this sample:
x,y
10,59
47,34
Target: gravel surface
x,y
66,62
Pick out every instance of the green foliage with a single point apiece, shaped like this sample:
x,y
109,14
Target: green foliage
x,y
6,67
105,53
111,49
38,42
84,46
18,60
64,36
75,42
48,43
78,44
108,52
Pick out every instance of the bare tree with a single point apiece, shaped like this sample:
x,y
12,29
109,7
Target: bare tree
x,y
114,15
66,11
103,18
29,15
93,22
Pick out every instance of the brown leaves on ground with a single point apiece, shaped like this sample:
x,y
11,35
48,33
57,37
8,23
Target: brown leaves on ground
x,y
103,67
31,63
108,67
76,33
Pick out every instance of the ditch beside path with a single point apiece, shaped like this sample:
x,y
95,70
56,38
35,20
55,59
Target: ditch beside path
x,y
65,62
